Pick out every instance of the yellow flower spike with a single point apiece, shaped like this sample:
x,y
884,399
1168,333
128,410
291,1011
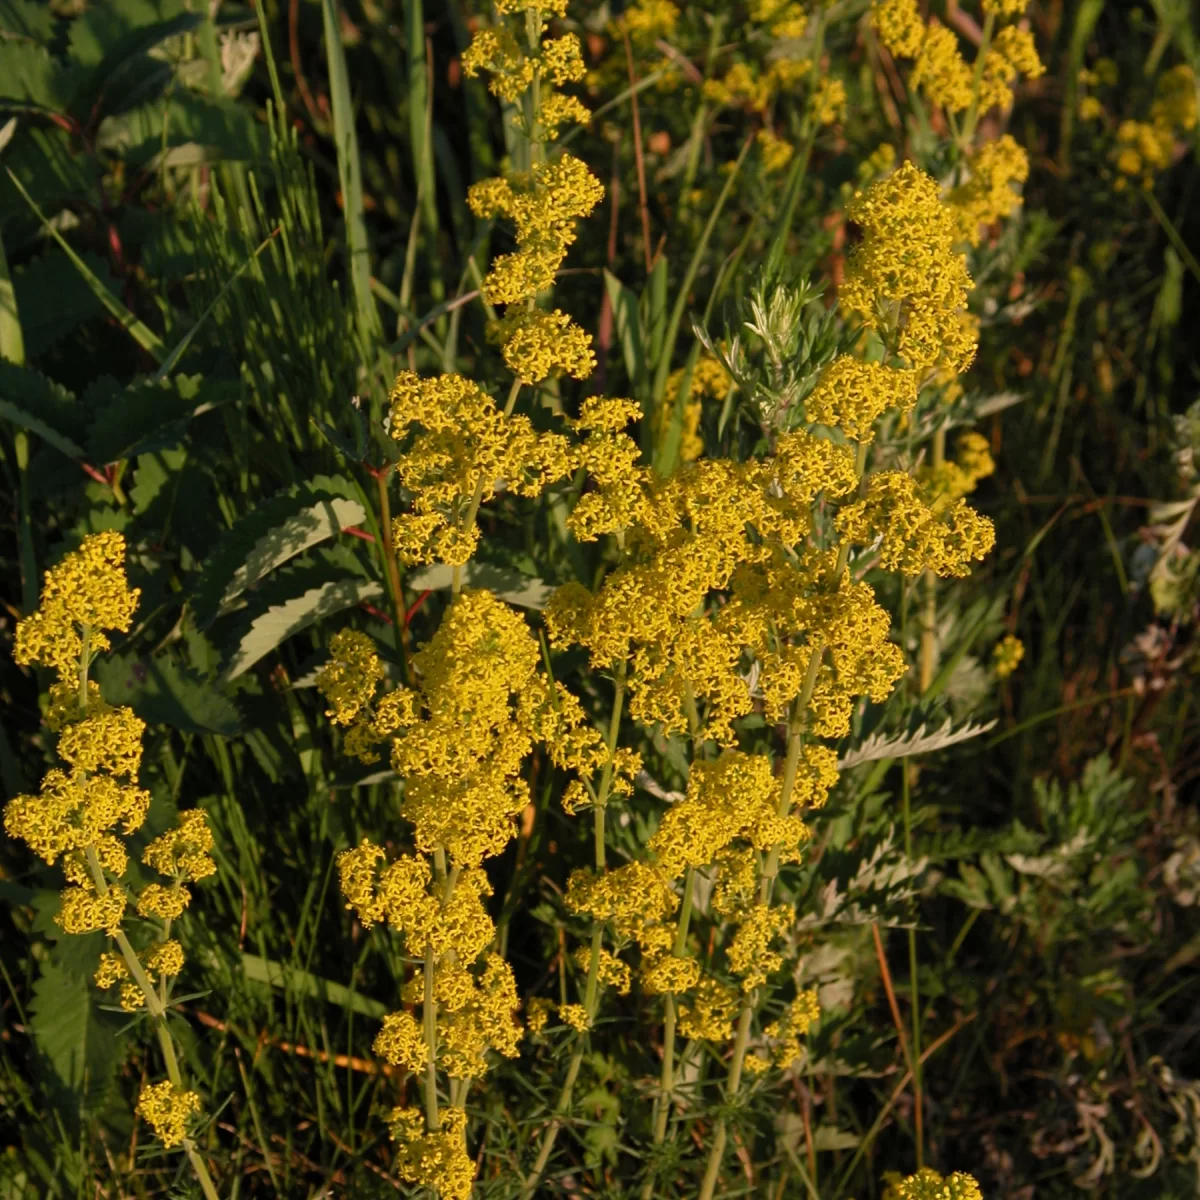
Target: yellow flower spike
x,y
497,52
401,1042
776,151
112,969
349,679
483,1020
756,1064
828,101
670,975
646,21
109,740
749,952
561,60
792,1026
436,1160
166,959
612,971
166,1109
941,71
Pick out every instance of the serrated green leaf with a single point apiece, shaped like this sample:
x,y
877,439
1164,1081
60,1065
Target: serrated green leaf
x,y
217,129
32,401
281,621
511,586
271,534
24,420
77,1043
163,691
301,983
54,299
628,324
148,416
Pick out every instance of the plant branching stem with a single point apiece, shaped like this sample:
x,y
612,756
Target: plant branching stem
x,y
593,978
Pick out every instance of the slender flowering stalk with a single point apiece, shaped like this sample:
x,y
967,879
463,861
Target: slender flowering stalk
x,y
80,815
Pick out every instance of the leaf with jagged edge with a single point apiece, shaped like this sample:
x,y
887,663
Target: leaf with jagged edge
x,y
281,621
77,1043
149,415
31,401
273,532
922,740
164,691
524,591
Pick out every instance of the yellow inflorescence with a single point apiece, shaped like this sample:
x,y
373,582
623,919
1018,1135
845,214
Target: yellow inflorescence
x,y
401,1042
988,194
166,1109
87,590
439,1159
710,1016
183,852
537,344
853,394
927,1184
1007,656
907,262
796,1021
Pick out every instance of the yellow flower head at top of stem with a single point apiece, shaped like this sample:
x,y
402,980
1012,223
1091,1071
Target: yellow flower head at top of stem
x,y
609,456
853,394
914,537
87,588
166,1109
1007,655
349,679
710,1016
905,276
183,853
576,1016
458,443
1176,106
988,194
927,1184
899,25
796,1021
544,206
669,974
537,344
776,151
107,740
437,1160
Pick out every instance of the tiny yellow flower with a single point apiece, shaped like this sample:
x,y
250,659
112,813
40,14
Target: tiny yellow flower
x,y
166,1109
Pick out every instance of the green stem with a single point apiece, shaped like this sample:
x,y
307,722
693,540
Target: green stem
x,y
914,993
929,653
592,987
972,119
391,568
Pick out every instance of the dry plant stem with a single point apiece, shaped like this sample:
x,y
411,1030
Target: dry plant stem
x,y
593,976
392,566
477,498
929,654
914,983
638,157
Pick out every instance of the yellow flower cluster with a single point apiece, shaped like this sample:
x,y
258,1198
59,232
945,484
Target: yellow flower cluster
x,y
939,68
87,591
776,151
947,483
745,86
988,195
537,344
927,1184
436,1159
166,1109
828,101
647,21
710,1015
854,394
796,1021
459,449
750,953
906,265
1007,656
165,960
914,536
1144,147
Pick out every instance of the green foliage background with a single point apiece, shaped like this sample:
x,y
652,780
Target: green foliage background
x,y
208,276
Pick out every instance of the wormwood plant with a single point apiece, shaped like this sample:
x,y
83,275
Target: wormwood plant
x,y
77,814
731,586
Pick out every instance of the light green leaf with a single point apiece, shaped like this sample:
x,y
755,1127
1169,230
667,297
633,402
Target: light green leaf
x,y
301,983
281,621
521,590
